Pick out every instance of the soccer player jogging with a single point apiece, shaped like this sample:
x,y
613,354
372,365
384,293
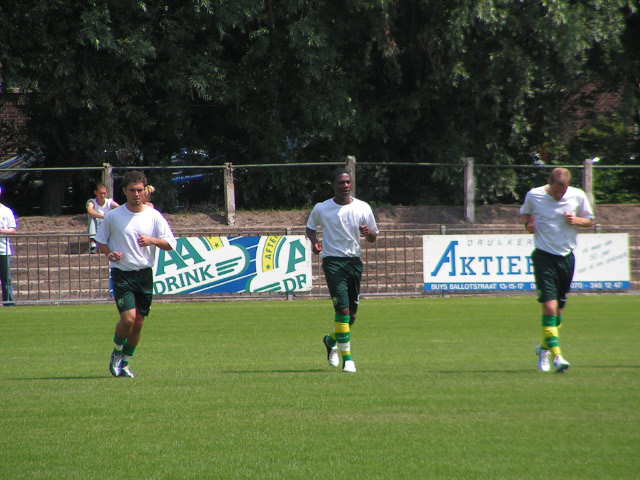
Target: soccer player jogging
x,y
343,220
129,236
553,214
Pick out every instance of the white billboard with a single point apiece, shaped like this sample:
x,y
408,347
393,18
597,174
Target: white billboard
x,y
276,263
503,262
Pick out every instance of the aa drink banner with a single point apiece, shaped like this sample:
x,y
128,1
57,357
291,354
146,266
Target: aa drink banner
x,y
503,262
234,265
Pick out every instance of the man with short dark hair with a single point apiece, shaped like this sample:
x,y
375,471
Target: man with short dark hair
x,y
553,214
343,220
129,236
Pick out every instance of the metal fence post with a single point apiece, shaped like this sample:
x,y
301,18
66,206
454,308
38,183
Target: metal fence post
x,y
229,194
469,191
350,165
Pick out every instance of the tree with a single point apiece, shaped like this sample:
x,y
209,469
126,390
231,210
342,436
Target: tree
x,y
103,77
254,81
486,79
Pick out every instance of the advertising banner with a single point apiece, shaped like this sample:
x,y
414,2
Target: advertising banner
x,y
234,265
503,262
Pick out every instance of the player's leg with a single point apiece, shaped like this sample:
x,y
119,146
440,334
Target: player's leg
x,y
329,341
5,278
355,276
546,285
120,338
336,274
551,320
142,283
126,305
129,347
564,271
343,338
92,230
550,339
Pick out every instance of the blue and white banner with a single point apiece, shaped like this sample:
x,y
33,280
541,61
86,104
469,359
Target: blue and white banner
x,y
234,265
455,263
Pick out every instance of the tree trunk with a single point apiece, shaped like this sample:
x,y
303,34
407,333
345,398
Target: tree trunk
x,y
53,193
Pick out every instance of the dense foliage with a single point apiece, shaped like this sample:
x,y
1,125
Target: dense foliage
x,y
253,82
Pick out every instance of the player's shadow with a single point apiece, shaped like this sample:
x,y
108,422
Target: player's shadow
x,y
87,377
609,367
444,372
301,370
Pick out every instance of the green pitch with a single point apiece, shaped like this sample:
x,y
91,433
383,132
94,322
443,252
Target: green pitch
x,y
446,388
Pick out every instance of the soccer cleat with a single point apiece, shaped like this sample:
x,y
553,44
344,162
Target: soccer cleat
x,y
543,359
332,353
349,366
115,365
560,364
126,372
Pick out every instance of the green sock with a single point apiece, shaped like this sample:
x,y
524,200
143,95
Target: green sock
x,y
330,340
343,336
118,344
127,352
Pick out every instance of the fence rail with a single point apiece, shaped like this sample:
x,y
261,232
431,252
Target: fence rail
x,y
186,191
59,268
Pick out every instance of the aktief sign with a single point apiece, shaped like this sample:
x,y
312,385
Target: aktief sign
x,y
233,265
503,262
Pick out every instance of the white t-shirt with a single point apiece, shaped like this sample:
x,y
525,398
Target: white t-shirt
x,y
94,223
553,233
7,220
121,229
340,226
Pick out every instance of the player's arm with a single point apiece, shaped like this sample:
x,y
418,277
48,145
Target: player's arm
x,y
578,221
369,234
316,246
92,211
111,256
147,241
529,223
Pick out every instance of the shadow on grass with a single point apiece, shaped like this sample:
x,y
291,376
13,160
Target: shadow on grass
x,y
309,370
535,371
93,377
476,371
607,367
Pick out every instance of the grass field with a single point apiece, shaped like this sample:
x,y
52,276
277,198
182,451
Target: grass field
x,y
446,388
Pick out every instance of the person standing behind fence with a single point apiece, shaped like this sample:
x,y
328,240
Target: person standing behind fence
x,y
7,227
553,214
344,220
129,236
97,208
149,189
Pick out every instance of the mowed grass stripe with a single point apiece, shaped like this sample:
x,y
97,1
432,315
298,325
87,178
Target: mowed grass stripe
x,y
446,388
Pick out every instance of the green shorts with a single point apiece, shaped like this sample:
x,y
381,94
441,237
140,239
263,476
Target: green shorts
x,y
553,274
343,275
133,289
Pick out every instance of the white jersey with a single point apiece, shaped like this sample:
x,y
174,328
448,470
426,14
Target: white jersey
x,y
7,221
121,229
341,226
94,223
553,233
